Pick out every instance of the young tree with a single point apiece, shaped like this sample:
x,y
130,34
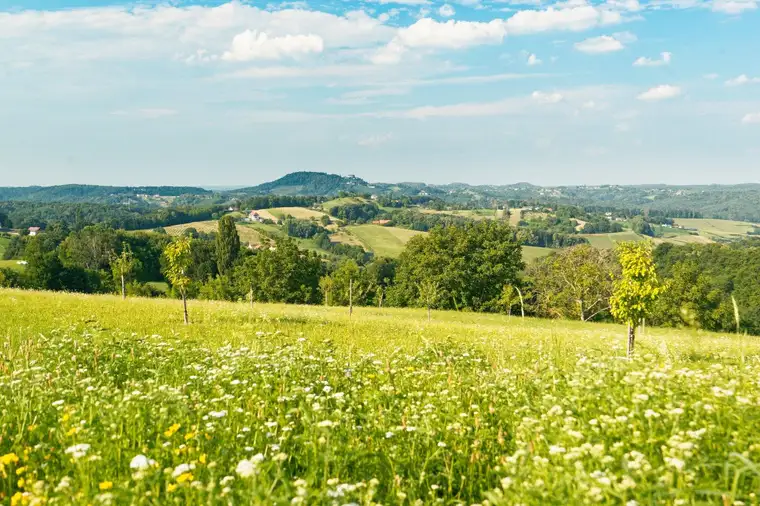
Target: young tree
x,y
429,290
227,244
178,259
638,289
123,266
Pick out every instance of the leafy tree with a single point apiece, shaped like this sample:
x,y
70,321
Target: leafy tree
x,y
574,283
638,289
350,285
91,248
178,260
641,226
324,220
227,244
123,267
5,221
471,264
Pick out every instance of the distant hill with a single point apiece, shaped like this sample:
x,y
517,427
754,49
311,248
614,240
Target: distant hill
x,y
81,193
307,184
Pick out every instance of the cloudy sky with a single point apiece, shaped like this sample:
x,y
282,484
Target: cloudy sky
x,y
478,91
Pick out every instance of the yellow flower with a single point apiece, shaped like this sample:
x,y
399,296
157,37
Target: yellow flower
x,y
182,478
72,431
21,482
189,436
9,458
21,470
171,487
172,430
32,427
19,498
202,459
65,417
106,485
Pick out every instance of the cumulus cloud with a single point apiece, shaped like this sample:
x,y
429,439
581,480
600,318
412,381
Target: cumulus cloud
x,y
742,79
751,118
665,58
446,11
599,45
662,92
250,45
533,60
576,18
733,6
546,98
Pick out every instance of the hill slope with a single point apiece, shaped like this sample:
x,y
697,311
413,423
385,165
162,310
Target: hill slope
x,y
277,402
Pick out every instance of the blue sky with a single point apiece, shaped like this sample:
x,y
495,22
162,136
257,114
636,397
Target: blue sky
x,y
477,91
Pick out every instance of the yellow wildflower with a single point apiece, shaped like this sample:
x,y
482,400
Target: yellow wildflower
x,y
19,499
182,478
9,458
106,485
189,436
171,487
202,459
21,470
32,427
72,431
172,430
21,482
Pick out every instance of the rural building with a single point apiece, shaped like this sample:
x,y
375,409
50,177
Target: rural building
x,y
381,222
255,217
34,231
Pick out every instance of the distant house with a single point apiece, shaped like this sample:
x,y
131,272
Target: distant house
x,y
255,217
34,231
381,222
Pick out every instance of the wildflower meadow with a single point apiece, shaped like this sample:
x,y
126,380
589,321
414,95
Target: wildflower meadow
x,y
104,401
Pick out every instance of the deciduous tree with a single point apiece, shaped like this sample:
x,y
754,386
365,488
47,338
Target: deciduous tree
x,y
178,259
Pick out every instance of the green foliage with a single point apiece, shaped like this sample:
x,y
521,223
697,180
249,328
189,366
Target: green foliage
x,y
470,265
641,226
227,244
178,255
91,248
574,283
123,267
639,287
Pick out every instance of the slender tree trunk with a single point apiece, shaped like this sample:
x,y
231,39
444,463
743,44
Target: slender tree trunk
x,y
428,308
350,298
123,288
522,305
250,296
382,296
184,307
631,338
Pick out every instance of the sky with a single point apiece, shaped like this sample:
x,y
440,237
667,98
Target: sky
x,y
474,91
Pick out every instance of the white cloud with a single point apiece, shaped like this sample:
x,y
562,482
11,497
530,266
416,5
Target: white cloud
x,y
734,6
250,45
148,113
404,2
373,141
751,118
665,59
546,98
742,79
451,34
574,18
711,77
599,45
533,60
662,92
446,11
389,54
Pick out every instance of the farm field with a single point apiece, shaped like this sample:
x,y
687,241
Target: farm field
x,y
717,228
531,253
111,401
11,264
300,213
383,241
246,233
342,202
609,241
476,214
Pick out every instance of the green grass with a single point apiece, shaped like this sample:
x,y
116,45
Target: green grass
x,y
11,264
531,253
300,213
302,405
159,286
608,241
717,229
342,202
4,241
383,241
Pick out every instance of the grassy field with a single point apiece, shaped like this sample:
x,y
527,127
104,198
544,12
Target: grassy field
x,y
342,202
300,213
476,214
383,241
724,229
104,401
3,245
247,234
608,241
11,264
531,253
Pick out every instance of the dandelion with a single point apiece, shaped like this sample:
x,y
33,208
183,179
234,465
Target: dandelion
x,y
105,485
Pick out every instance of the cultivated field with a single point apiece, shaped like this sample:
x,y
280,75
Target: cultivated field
x,y
300,213
531,253
609,241
104,401
383,241
725,229
247,234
